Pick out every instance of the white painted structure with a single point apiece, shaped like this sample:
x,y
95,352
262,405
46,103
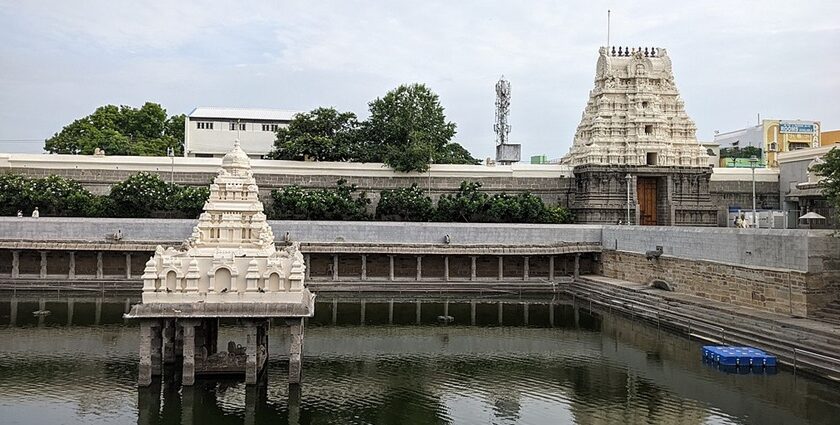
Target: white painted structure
x,y
258,166
209,130
230,256
635,115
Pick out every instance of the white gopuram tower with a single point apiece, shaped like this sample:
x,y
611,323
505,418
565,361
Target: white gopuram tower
x,y
229,268
635,154
230,256
635,116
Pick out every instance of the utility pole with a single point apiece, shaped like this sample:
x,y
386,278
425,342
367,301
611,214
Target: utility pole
x,y
753,161
170,152
629,178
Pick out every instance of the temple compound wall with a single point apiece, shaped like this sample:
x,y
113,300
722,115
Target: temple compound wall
x,y
785,271
555,184
793,272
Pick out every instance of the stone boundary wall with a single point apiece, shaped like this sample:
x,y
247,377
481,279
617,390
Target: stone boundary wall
x,y
812,251
778,291
553,183
167,230
775,270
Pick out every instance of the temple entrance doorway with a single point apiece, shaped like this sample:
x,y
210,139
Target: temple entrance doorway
x,y
646,193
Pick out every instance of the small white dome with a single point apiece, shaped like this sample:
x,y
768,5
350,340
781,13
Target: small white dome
x,y
236,158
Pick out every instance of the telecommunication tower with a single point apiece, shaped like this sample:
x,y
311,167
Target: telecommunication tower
x,y
506,153
502,126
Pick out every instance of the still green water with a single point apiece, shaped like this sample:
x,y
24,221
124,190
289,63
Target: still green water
x,y
543,365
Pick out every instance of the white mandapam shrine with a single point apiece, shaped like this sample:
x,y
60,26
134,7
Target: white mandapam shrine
x,y
229,268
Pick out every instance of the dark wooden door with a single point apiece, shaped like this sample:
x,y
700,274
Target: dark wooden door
x,y
646,192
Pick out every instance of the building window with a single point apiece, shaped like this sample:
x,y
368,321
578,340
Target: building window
x,y
651,158
202,125
265,127
644,105
649,129
232,126
274,127
242,126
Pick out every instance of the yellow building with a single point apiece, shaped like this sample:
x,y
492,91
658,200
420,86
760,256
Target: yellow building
x,y
786,136
829,137
771,137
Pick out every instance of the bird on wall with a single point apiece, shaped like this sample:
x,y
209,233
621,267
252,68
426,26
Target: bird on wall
x,y
224,290
261,290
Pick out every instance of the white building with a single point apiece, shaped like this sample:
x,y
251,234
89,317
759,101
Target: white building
x,y
209,130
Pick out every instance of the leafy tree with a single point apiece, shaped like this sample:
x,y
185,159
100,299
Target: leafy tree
x,y
453,153
407,128
122,130
829,169
140,195
404,204
60,196
174,128
188,201
323,134
471,205
520,208
339,203
14,192
467,205
557,215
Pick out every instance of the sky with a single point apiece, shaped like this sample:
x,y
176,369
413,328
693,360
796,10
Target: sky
x,y
60,60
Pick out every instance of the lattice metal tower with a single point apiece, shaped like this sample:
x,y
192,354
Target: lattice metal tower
x,y
502,126
506,153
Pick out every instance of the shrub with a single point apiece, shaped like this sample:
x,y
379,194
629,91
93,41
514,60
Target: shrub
x,y
404,204
294,203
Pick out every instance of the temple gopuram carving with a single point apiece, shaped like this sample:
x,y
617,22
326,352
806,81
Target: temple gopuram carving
x,y
635,131
229,268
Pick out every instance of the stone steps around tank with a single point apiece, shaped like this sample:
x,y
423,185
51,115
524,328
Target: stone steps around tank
x,y
830,313
815,342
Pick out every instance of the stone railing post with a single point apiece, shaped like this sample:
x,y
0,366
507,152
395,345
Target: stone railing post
x,y
43,272
71,273
15,264
99,266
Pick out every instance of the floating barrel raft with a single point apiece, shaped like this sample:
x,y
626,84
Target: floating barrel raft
x,y
738,356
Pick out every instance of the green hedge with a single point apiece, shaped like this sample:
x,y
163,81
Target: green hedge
x,y
147,195
141,195
469,205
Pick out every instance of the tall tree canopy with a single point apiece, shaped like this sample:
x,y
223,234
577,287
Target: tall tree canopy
x,y
323,134
406,130
829,168
121,130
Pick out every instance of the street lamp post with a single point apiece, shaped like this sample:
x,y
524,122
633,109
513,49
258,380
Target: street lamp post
x,y
170,152
628,177
753,161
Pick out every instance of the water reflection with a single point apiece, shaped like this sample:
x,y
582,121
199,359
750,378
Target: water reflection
x,y
366,361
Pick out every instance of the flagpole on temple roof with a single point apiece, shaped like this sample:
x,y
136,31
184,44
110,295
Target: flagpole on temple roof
x,y
608,30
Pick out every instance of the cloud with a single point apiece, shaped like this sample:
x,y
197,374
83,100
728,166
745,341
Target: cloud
x,y
60,60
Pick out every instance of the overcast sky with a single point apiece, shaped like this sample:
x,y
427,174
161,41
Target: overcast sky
x,y
59,60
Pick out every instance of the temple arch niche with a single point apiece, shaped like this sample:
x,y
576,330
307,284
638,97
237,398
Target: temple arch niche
x,y
171,280
222,279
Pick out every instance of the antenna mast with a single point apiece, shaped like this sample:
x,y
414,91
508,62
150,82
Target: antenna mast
x,y
502,127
